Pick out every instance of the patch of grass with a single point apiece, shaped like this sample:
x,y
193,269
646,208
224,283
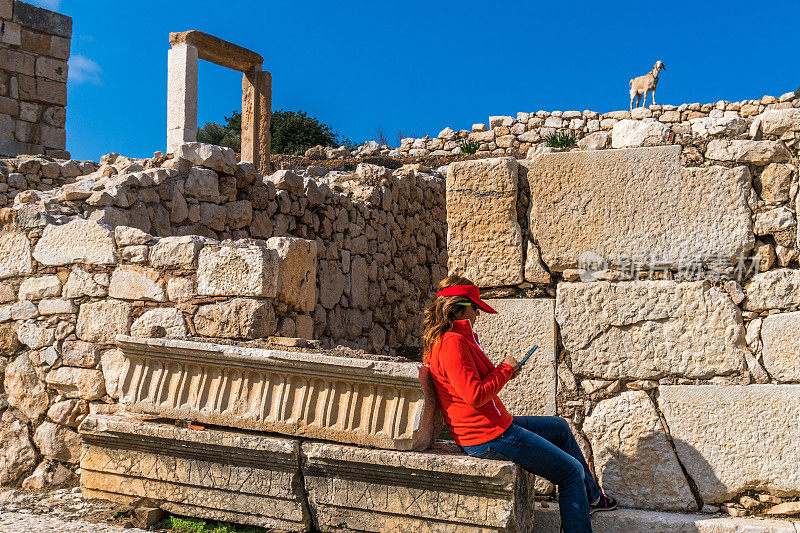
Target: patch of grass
x,y
469,147
561,139
197,525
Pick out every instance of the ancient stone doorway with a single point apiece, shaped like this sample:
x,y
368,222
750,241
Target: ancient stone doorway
x,y
187,48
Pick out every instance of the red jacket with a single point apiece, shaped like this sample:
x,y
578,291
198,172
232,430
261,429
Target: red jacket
x,y
467,384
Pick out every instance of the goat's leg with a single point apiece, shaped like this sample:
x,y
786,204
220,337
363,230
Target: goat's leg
x,y
654,96
633,95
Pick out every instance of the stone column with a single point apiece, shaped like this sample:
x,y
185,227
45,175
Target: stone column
x,y
256,116
181,95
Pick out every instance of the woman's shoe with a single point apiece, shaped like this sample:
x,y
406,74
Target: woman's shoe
x,y
605,503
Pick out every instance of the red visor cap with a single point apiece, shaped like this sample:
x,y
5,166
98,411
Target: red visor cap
x,y
471,292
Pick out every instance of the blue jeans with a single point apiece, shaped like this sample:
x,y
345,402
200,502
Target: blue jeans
x,y
546,447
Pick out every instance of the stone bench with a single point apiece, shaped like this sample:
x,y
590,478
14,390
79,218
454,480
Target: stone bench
x,y
283,483
439,490
216,474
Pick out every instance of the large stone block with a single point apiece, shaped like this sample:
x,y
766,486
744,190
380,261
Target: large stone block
x,y
519,325
747,151
75,382
239,318
102,321
650,329
237,270
297,271
15,254
17,454
132,282
629,133
780,338
779,121
177,252
215,157
633,457
78,241
372,403
735,438
220,475
23,388
484,240
57,442
356,489
775,289
637,208
162,322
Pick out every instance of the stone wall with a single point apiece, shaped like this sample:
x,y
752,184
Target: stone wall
x,y
34,48
379,233
671,273
514,136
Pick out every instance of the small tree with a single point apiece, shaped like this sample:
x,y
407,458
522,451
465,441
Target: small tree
x,y
293,132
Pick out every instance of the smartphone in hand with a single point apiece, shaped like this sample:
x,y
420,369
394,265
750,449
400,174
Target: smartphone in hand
x,y
527,356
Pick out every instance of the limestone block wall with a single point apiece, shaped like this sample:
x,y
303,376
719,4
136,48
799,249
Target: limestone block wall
x,y
669,275
34,48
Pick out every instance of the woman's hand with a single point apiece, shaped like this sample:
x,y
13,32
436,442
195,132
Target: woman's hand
x,y
510,361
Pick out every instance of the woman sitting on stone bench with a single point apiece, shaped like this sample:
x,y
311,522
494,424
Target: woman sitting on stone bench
x,y
467,384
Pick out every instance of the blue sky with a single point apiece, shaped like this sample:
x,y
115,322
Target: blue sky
x,y
418,66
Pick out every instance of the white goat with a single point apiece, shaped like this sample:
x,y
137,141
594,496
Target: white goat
x,y
644,84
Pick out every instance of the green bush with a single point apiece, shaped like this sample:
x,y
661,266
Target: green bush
x,y
293,132
469,147
561,140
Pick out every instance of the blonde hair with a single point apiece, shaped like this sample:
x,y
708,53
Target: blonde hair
x,y
441,313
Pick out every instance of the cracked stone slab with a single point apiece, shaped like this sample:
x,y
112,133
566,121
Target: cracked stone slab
x,y
650,329
637,206
357,489
734,438
633,457
484,240
215,474
519,325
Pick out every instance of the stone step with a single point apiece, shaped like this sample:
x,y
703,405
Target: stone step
x,y
383,404
639,521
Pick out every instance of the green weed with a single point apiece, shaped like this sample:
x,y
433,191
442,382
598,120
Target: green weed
x,y
197,525
469,147
561,139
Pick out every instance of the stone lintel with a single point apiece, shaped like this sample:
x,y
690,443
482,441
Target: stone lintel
x,y
356,489
184,471
371,403
217,50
